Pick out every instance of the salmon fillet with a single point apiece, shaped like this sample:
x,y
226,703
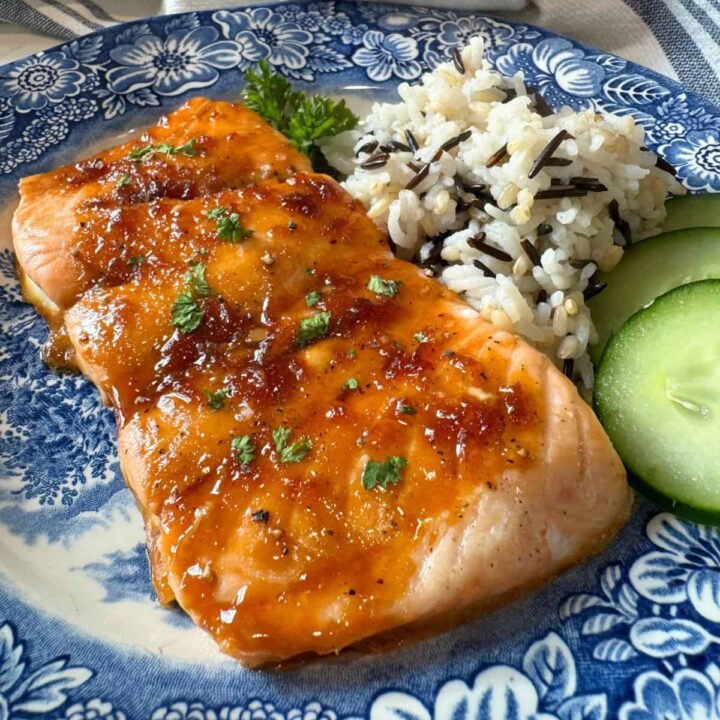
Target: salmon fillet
x,y
200,148
379,458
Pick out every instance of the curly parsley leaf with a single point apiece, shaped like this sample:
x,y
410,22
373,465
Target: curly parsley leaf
x,y
270,95
195,279
229,227
313,298
420,337
186,313
244,449
290,453
216,398
383,474
381,286
301,118
136,260
318,117
312,328
351,384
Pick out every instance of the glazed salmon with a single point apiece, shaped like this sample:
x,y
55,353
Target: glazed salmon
x,y
341,447
200,148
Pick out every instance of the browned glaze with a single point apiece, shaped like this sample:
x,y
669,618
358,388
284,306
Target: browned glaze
x,y
331,558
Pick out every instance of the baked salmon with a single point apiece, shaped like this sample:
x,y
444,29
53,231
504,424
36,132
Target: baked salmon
x,y
326,444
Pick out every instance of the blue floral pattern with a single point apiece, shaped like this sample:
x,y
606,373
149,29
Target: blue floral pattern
x,y
388,55
25,691
180,62
636,639
32,83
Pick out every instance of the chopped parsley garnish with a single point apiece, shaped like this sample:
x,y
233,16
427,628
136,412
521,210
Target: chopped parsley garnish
x,y
136,260
124,180
351,384
229,226
140,153
309,271
381,286
290,453
313,298
301,118
352,353
312,328
420,337
186,313
406,409
383,473
216,398
195,279
188,149
244,449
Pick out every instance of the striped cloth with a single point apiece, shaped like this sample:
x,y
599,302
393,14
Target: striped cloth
x,y
679,38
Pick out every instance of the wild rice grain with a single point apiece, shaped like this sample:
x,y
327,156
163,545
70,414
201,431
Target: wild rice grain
x,y
368,147
454,142
547,152
497,156
498,254
544,229
594,289
664,165
458,61
560,192
411,141
376,161
475,239
568,367
486,271
419,177
542,108
399,146
532,252
620,224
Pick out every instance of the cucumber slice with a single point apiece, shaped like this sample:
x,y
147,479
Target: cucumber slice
x,y
649,269
689,211
657,393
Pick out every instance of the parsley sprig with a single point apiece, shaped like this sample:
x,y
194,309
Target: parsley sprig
x,y
146,151
301,118
383,474
195,279
229,226
216,398
186,311
382,286
244,449
290,453
312,328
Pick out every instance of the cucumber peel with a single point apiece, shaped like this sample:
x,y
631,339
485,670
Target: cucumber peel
x,y
649,269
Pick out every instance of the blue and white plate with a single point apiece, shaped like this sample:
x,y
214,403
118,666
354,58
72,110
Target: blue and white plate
x,y
633,634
